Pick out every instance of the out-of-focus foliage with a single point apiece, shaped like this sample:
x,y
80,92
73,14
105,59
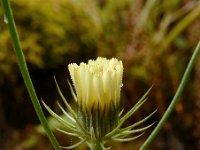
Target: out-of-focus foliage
x,y
49,31
153,38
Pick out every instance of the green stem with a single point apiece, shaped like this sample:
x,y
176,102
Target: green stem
x,y
25,73
96,145
174,100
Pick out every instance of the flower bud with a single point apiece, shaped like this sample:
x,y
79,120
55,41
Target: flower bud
x,y
97,94
98,85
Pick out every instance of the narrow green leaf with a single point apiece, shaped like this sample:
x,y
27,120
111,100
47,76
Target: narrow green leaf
x,y
64,100
75,145
135,107
127,139
121,112
92,133
128,132
57,117
69,108
132,111
66,114
72,91
104,148
114,131
128,114
69,133
137,123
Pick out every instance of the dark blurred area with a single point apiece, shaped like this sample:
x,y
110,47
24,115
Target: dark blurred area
x,y
155,40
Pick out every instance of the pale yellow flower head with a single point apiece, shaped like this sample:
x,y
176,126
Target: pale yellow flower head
x,y
97,83
97,117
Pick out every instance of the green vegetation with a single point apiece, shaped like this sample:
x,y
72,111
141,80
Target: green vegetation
x,y
154,39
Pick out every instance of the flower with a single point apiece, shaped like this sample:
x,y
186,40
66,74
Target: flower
x,y
98,118
97,83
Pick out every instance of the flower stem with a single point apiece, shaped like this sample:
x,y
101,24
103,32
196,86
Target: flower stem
x,y
96,145
25,73
174,100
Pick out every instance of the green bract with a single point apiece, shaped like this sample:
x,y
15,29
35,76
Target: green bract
x,y
98,118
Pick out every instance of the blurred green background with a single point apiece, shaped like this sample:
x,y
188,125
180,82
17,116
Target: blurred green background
x,y
153,38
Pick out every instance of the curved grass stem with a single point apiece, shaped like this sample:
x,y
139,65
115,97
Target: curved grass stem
x,y
25,73
174,100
